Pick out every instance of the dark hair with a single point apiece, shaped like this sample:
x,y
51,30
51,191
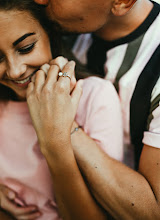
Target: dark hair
x,y
38,12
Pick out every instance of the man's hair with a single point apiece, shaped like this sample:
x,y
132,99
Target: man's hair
x,y
38,12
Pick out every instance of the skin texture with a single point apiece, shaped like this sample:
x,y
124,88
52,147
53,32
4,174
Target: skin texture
x,y
22,60
123,192
16,66
43,96
108,19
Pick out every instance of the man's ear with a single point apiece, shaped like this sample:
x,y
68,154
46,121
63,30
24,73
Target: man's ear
x,y
121,7
42,2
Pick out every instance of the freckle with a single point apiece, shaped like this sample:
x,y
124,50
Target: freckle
x,y
132,186
157,163
132,204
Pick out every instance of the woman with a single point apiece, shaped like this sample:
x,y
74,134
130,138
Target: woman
x,y
29,149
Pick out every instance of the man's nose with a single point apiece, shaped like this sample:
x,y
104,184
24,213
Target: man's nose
x,y
16,68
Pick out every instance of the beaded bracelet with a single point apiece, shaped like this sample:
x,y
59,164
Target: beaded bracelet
x,y
76,129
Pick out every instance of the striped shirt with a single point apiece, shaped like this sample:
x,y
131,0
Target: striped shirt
x,y
122,61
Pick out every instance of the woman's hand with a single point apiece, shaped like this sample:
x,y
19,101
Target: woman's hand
x,y
61,62
51,105
11,203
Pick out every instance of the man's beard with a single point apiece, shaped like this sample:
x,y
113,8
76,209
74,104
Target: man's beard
x,y
57,27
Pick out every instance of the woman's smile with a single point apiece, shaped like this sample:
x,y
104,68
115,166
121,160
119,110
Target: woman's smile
x,y
22,50
24,82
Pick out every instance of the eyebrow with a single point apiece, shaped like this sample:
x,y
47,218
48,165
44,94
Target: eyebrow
x,y
22,38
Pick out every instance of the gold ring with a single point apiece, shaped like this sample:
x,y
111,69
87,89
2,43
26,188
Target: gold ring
x,y
64,75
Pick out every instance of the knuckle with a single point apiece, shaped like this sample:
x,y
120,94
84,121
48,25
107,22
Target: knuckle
x,y
39,73
60,88
72,62
45,66
54,67
46,91
60,59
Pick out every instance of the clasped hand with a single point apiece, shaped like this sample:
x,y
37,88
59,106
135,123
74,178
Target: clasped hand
x,y
53,102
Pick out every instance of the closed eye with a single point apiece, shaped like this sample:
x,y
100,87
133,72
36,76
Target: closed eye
x,y
27,49
1,58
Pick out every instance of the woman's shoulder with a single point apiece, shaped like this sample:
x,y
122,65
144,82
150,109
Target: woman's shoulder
x,y
96,84
92,80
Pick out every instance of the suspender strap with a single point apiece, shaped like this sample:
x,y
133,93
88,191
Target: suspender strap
x,y
140,102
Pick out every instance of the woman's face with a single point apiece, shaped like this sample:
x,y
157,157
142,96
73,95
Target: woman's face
x,y
24,47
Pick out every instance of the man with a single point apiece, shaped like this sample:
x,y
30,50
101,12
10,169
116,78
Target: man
x,y
126,29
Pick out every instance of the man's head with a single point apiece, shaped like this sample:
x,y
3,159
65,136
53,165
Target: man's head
x,y
85,15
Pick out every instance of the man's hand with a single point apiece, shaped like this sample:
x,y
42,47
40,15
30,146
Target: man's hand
x,y
11,203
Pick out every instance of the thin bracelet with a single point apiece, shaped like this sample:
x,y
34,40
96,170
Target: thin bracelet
x,y
76,129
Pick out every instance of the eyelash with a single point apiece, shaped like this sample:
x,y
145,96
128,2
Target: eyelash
x,y
1,59
23,50
27,49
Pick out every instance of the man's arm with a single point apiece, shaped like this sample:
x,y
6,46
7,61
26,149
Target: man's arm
x,y
72,195
123,192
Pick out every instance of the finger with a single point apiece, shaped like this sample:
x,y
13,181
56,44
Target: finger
x,y
52,76
29,216
73,82
59,61
19,202
25,210
11,207
69,68
10,194
73,78
29,89
39,80
45,68
76,94
65,81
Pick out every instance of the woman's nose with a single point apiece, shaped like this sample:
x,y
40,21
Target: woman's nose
x,y
16,68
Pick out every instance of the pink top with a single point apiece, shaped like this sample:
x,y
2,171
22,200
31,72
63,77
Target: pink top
x,y
23,167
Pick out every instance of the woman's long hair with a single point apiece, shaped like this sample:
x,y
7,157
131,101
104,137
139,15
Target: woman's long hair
x,y
38,12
